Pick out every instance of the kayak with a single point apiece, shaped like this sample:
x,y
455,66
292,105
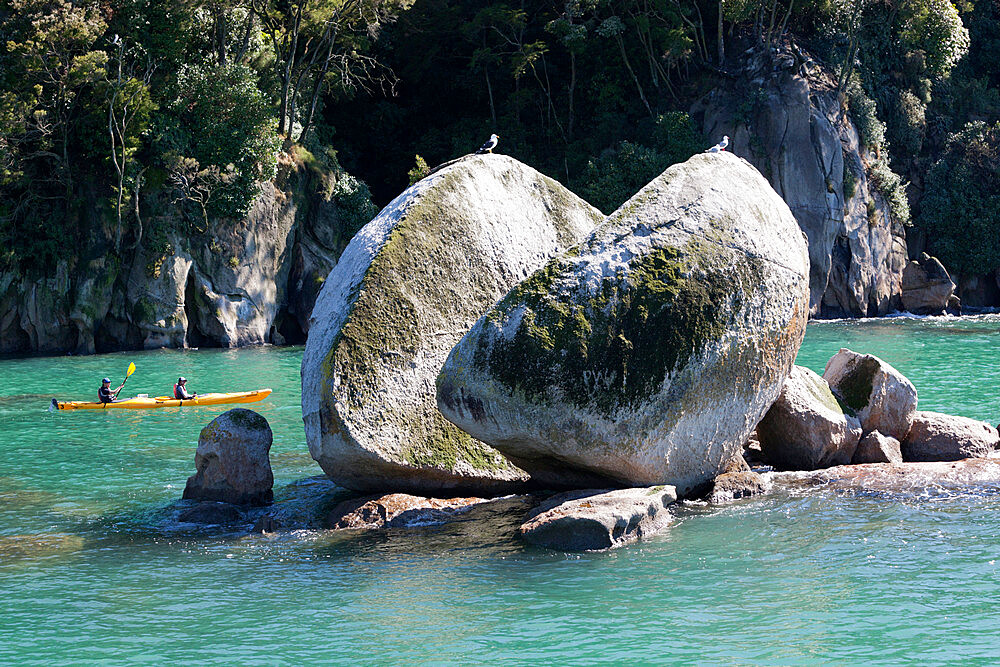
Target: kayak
x,y
147,403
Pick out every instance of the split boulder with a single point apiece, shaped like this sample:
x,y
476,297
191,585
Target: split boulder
x,y
806,428
232,461
880,396
926,286
646,354
939,437
407,287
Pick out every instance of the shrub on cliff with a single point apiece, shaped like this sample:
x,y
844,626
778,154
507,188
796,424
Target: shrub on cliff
x,y
961,208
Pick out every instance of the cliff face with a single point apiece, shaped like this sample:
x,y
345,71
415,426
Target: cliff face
x,y
785,116
238,282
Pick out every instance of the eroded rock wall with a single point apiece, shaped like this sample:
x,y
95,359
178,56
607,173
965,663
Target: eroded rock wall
x,y
787,119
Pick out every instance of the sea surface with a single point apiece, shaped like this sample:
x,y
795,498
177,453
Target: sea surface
x,y
95,567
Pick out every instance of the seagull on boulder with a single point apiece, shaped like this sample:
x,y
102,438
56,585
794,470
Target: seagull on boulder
x,y
489,145
719,147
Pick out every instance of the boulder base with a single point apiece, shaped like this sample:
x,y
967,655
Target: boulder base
x,y
877,448
897,479
232,460
806,428
397,510
595,520
646,354
939,437
881,397
211,513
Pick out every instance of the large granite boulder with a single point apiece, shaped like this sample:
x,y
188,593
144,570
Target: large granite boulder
x,y
926,285
806,428
594,520
407,287
648,353
938,437
877,448
232,460
879,395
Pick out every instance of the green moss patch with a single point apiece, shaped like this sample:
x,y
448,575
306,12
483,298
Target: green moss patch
x,y
617,346
247,419
855,388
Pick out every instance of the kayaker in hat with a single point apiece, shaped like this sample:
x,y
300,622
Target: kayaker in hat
x,y
106,394
180,390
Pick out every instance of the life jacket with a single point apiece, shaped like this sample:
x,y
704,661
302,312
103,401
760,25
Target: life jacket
x,y
177,394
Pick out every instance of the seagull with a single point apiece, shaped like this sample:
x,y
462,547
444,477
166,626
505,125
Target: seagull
x,y
719,147
489,145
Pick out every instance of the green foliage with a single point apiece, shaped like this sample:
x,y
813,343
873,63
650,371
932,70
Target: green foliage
x,y
219,128
420,170
617,175
890,185
960,211
906,123
864,113
935,27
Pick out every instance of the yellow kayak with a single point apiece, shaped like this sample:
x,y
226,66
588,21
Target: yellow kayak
x,y
147,403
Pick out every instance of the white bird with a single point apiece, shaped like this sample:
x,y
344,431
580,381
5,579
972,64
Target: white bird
x,y
489,145
719,147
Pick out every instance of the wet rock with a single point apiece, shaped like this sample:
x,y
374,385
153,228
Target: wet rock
x,y
877,448
926,288
897,479
212,513
232,460
880,396
397,510
939,437
647,353
730,486
267,523
806,428
595,520
408,286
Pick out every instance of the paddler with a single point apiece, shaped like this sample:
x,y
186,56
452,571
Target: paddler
x,y
180,390
106,394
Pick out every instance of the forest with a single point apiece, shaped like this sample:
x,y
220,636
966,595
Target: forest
x,y
103,102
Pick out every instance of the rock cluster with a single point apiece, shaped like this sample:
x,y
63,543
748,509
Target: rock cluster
x,y
863,411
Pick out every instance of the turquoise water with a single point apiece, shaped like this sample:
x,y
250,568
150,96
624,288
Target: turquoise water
x,y
93,566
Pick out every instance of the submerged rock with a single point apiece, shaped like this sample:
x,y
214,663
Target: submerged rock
x,y
736,481
647,353
397,510
877,448
881,397
927,287
806,428
939,437
211,513
408,286
232,460
595,519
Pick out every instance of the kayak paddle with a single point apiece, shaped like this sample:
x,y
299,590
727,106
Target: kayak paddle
x,y
128,374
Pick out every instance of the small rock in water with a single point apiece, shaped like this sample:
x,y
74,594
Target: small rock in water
x,y
397,510
730,486
877,448
939,437
806,428
598,519
212,513
232,460
881,397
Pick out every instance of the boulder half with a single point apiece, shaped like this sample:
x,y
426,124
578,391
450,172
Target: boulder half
x,y
646,354
405,290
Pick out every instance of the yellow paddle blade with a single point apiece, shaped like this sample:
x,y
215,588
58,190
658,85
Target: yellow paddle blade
x,y
131,369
